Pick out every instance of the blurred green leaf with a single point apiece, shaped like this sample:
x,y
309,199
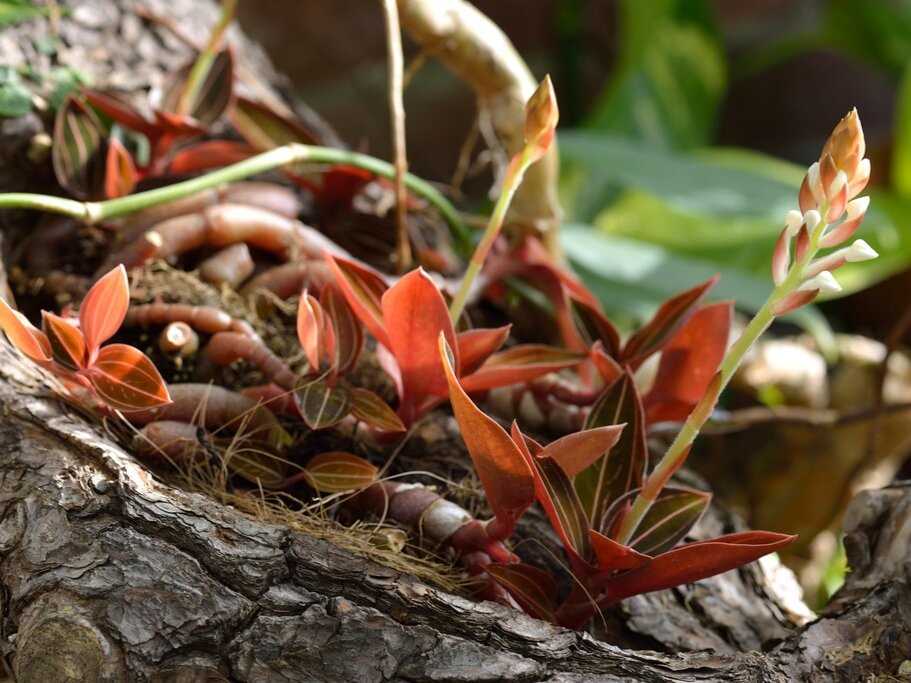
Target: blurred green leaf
x,y
15,98
631,277
14,11
670,79
901,150
878,32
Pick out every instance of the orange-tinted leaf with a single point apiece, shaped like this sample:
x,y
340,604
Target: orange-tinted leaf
x,y
370,408
212,96
113,106
577,451
321,405
207,155
613,556
310,329
506,476
66,341
120,173
475,346
264,128
607,367
104,308
593,326
349,335
77,151
695,561
125,379
23,335
415,315
688,363
613,476
669,318
363,289
520,363
669,519
534,589
338,471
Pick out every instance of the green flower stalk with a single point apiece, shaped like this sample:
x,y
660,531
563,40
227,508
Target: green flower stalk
x,y
827,196
541,117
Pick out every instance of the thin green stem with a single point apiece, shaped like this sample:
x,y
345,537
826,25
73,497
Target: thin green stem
x,y
511,182
677,451
93,212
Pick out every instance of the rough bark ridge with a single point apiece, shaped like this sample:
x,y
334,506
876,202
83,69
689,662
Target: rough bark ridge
x,y
108,575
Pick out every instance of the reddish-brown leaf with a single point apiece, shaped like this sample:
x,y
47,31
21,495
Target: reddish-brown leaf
x,y
102,311
120,173
688,363
669,318
505,474
125,379
416,315
311,326
370,408
607,367
475,346
669,519
695,561
520,363
363,289
66,341
264,128
23,335
613,556
593,326
322,405
337,471
533,589
211,98
349,335
78,152
210,154
613,476
113,106
577,451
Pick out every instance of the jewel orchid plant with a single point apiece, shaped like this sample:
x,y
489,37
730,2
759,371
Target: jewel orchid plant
x,y
120,376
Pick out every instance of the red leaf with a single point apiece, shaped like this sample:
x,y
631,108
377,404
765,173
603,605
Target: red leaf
x,y
125,379
534,589
613,556
265,128
520,363
607,367
415,315
23,335
121,111
120,173
322,405
370,408
475,346
338,471
363,289
506,476
66,341
696,561
212,96
102,311
577,451
78,150
688,363
210,154
669,519
593,326
613,476
311,324
340,185
349,335
672,314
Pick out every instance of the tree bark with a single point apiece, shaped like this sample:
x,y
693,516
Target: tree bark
x,y
106,574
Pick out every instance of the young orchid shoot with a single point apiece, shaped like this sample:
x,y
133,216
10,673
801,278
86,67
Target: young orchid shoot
x,y
830,213
121,376
541,117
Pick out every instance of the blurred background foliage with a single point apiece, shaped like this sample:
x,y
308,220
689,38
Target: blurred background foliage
x,y
686,128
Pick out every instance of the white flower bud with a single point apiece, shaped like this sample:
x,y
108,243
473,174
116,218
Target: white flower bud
x,y
812,219
825,282
860,251
841,179
857,207
793,220
815,182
